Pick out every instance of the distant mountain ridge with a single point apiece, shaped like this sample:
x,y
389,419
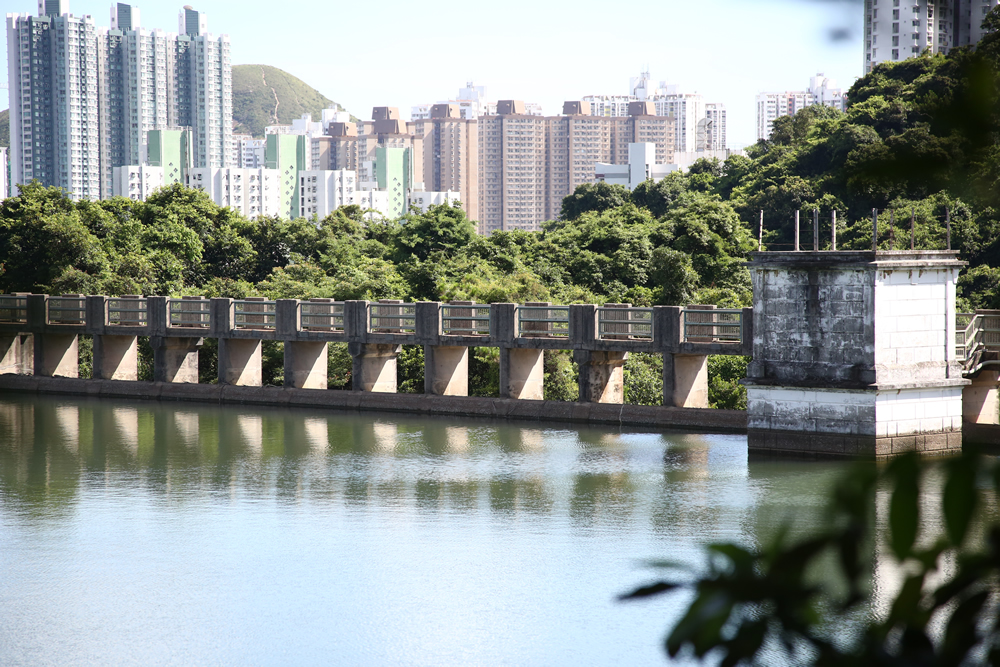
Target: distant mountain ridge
x,y
265,95
262,96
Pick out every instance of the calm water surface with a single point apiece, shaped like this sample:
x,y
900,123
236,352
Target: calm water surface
x,y
173,534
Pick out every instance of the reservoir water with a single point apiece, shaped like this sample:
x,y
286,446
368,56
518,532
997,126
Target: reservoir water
x,y
182,534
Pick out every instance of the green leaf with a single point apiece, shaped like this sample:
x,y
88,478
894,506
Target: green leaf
x,y
960,496
904,509
649,591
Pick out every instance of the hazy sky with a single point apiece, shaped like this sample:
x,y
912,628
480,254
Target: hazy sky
x,y
394,53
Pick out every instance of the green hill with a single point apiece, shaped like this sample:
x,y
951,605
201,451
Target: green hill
x,y
264,95
5,127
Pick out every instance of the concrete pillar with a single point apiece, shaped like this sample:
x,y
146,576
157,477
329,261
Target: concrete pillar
x,y
374,367
240,362
446,370
522,374
981,400
306,364
116,358
175,359
685,380
57,355
601,377
17,354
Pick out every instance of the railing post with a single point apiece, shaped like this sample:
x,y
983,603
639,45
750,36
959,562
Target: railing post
x,y
503,323
287,318
37,312
582,325
746,332
667,328
220,317
356,321
157,316
96,315
428,322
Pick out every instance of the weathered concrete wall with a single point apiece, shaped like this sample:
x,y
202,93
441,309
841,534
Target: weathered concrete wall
x,y
306,365
981,399
446,370
17,354
57,355
522,374
175,359
240,362
813,321
601,376
116,358
854,353
374,367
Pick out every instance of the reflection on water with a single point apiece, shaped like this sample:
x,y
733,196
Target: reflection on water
x,y
146,532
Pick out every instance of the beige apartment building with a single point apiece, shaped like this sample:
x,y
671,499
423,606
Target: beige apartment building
x,y
450,154
528,164
352,145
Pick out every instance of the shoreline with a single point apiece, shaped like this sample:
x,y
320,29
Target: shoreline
x,y
604,414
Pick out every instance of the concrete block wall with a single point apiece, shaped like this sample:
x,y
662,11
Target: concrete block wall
x,y
813,324
854,353
915,324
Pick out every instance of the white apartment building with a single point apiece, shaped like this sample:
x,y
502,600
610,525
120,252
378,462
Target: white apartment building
x,y
770,106
373,203
250,152
896,31
698,125
137,181
251,192
641,167
4,183
423,200
321,192
83,98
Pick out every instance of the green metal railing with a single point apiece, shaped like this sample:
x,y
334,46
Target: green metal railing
x,y
719,325
190,312
543,321
394,318
67,310
624,323
465,320
255,314
127,311
321,315
13,308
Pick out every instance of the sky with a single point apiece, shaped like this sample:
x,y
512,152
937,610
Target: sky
x,y
395,53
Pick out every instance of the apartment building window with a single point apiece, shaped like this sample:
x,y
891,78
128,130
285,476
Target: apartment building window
x,y
895,28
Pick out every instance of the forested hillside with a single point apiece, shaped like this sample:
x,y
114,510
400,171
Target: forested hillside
x,y
264,95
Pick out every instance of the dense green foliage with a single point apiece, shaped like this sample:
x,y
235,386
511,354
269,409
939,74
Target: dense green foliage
x,y
264,95
5,127
811,600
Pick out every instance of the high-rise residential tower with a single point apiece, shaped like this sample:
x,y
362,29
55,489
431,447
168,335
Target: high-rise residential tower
x,y
54,90
770,106
528,164
83,98
896,31
450,154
